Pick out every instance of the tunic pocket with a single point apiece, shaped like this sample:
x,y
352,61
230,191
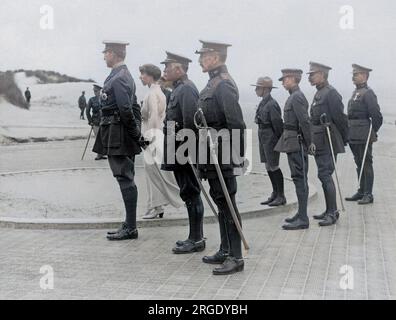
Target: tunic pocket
x,y
319,137
359,130
111,133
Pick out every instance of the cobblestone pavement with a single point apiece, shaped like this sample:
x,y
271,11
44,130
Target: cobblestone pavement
x,y
280,265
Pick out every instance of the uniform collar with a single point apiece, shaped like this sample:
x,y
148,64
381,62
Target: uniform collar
x,y
361,86
216,72
117,67
322,85
294,89
266,98
119,64
180,81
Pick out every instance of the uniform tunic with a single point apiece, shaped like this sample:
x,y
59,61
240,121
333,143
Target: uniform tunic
x,y
361,107
270,128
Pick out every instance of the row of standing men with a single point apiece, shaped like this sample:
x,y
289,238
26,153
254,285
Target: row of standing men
x,y
120,138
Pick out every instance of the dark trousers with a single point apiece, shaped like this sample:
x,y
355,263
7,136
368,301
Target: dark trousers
x,y
230,238
299,176
123,168
190,193
325,166
82,113
367,181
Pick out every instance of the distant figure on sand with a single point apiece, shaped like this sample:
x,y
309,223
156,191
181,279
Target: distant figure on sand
x,y
82,104
28,95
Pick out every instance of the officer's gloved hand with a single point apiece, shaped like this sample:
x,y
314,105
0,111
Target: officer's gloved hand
x,y
91,124
312,149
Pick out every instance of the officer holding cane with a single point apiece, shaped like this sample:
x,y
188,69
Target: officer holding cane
x,y
364,114
327,109
295,142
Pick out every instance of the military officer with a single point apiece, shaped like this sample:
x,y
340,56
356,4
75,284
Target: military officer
x,y
362,107
270,128
328,102
220,106
93,114
295,142
180,116
82,104
119,133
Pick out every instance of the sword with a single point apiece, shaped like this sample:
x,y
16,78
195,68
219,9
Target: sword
x,y
203,189
86,146
323,121
365,151
221,178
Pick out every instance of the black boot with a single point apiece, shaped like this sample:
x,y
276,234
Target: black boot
x,y
330,219
366,199
329,192
123,226
218,258
124,234
190,246
280,199
128,229
130,196
274,188
298,224
230,265
300,220
195,241
292,219
357,196
320,216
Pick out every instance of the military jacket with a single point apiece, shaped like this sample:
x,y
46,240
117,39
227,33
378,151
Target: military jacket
x,y
296,122
328,101
120,123
361,107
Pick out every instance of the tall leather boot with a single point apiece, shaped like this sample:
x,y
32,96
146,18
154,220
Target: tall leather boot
x,y
234,263
130,196
195,242
280,199
221,255
274,188
302,220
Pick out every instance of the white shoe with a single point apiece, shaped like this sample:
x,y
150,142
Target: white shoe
x,y
154,213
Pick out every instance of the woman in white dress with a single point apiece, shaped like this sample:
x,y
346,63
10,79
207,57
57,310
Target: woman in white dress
x,y
162,187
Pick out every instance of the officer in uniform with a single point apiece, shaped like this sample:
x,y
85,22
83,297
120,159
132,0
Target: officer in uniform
x,y
329,102
220,106
28,95
119,132
93,114
270,128
180,115
363,106
295,142
82,104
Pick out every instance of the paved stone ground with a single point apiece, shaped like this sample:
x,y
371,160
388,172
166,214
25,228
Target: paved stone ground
x,y
280,265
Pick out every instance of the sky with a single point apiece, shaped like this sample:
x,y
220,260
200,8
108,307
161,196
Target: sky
x,y
266,36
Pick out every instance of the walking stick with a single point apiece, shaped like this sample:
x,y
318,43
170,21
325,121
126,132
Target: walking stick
x,y
86,146
365,152
323,121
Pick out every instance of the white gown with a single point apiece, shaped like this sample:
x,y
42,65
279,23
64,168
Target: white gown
x,y
162,187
